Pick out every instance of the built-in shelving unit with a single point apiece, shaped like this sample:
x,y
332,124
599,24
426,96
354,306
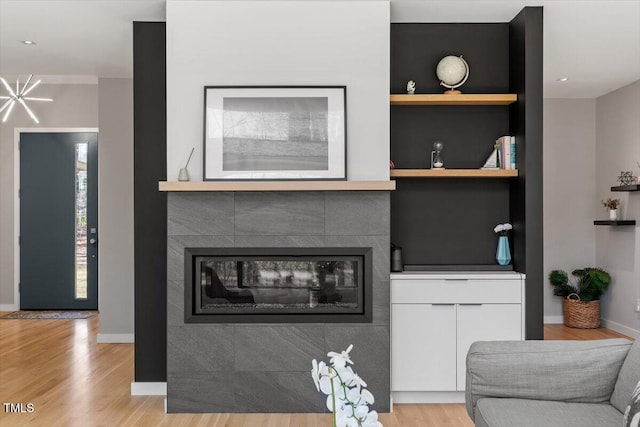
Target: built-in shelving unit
x,y
446,216
277,185
453,173
635,187
454,99
616,222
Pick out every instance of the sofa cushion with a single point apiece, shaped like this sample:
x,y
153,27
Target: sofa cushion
x,y
627,378
564,371
496,412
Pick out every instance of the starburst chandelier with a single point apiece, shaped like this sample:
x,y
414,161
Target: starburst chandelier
x,y
19,96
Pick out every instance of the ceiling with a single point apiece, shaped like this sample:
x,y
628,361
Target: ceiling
x,y
595,43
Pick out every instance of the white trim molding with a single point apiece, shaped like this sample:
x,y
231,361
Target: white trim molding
x,y
554,320
115,338
8,307
623,329
16,199
427,396
148,389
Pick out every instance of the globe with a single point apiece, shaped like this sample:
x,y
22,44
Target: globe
x,y
452,71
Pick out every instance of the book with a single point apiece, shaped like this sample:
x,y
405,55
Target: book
x,y
513,152
506,151
506,146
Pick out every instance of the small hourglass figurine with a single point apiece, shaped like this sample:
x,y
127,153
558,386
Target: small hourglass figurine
x,y
436,155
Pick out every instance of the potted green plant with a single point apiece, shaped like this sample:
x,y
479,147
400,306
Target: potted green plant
x,y
581,303
612,205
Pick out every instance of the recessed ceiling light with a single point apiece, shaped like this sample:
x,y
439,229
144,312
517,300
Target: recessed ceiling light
x,y
563,79
29,42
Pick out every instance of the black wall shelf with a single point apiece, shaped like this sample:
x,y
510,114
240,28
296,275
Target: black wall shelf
x,y
635,187
615,223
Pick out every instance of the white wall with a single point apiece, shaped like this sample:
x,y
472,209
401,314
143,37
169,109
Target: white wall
x,y
618,248
280,43
115,205
72,106
569,186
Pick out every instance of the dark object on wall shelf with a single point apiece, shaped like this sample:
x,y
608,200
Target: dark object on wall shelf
x,y
396,258
635,187
616,222
458,267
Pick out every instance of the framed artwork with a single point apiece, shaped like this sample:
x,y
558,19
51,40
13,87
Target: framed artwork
x,y
275,133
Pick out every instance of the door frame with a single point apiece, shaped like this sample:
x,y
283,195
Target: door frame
x,y
16,198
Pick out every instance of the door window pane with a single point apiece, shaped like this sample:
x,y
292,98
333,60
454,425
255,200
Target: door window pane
x,y
81,221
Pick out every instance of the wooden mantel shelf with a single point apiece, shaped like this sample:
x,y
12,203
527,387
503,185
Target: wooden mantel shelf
x,y
455,99
277,185
453,173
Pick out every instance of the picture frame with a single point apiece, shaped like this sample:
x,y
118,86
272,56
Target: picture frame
x,y
275,133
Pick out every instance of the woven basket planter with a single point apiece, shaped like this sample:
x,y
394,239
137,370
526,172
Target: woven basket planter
x,y
580,314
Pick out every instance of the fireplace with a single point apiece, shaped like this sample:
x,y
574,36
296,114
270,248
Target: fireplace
x,y
276,285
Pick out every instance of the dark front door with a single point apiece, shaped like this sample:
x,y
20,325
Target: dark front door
x,y
58,221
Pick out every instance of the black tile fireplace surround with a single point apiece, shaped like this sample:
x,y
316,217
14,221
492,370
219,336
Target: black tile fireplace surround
x,y
278,285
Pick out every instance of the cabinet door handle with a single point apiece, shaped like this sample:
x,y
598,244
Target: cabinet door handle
x,y
456,280
440,304
471,304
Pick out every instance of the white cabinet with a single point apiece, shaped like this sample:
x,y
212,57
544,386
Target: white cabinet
x,y
435,317
423,328
484,322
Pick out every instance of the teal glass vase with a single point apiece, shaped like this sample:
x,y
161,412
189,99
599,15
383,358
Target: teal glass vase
x,y
503,253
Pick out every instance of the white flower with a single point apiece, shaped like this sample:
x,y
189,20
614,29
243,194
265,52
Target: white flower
x,y
347,398
371,420
340,404
339,359
317,372
361,411
503,228
352,422
359,381
325,383
342,418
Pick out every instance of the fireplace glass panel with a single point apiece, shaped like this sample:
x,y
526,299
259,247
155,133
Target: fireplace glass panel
x,y
323,284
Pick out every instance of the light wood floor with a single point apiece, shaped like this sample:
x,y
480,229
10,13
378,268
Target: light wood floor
x,y
73,381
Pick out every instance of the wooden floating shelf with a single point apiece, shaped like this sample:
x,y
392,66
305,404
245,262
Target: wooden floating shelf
x,y
615,223
453,173
455,99
635,187
276,185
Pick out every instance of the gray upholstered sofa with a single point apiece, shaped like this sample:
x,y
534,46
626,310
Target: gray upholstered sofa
x,y
551,383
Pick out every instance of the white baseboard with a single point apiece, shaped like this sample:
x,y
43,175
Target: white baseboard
x,y
149,389
9,307
427,396
614,326
115,338
554,319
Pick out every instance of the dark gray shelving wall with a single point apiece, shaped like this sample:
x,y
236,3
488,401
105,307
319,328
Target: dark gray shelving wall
x,y
450,221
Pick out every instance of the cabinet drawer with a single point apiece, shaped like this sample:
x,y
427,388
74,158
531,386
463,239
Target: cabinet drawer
x,y
416,291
